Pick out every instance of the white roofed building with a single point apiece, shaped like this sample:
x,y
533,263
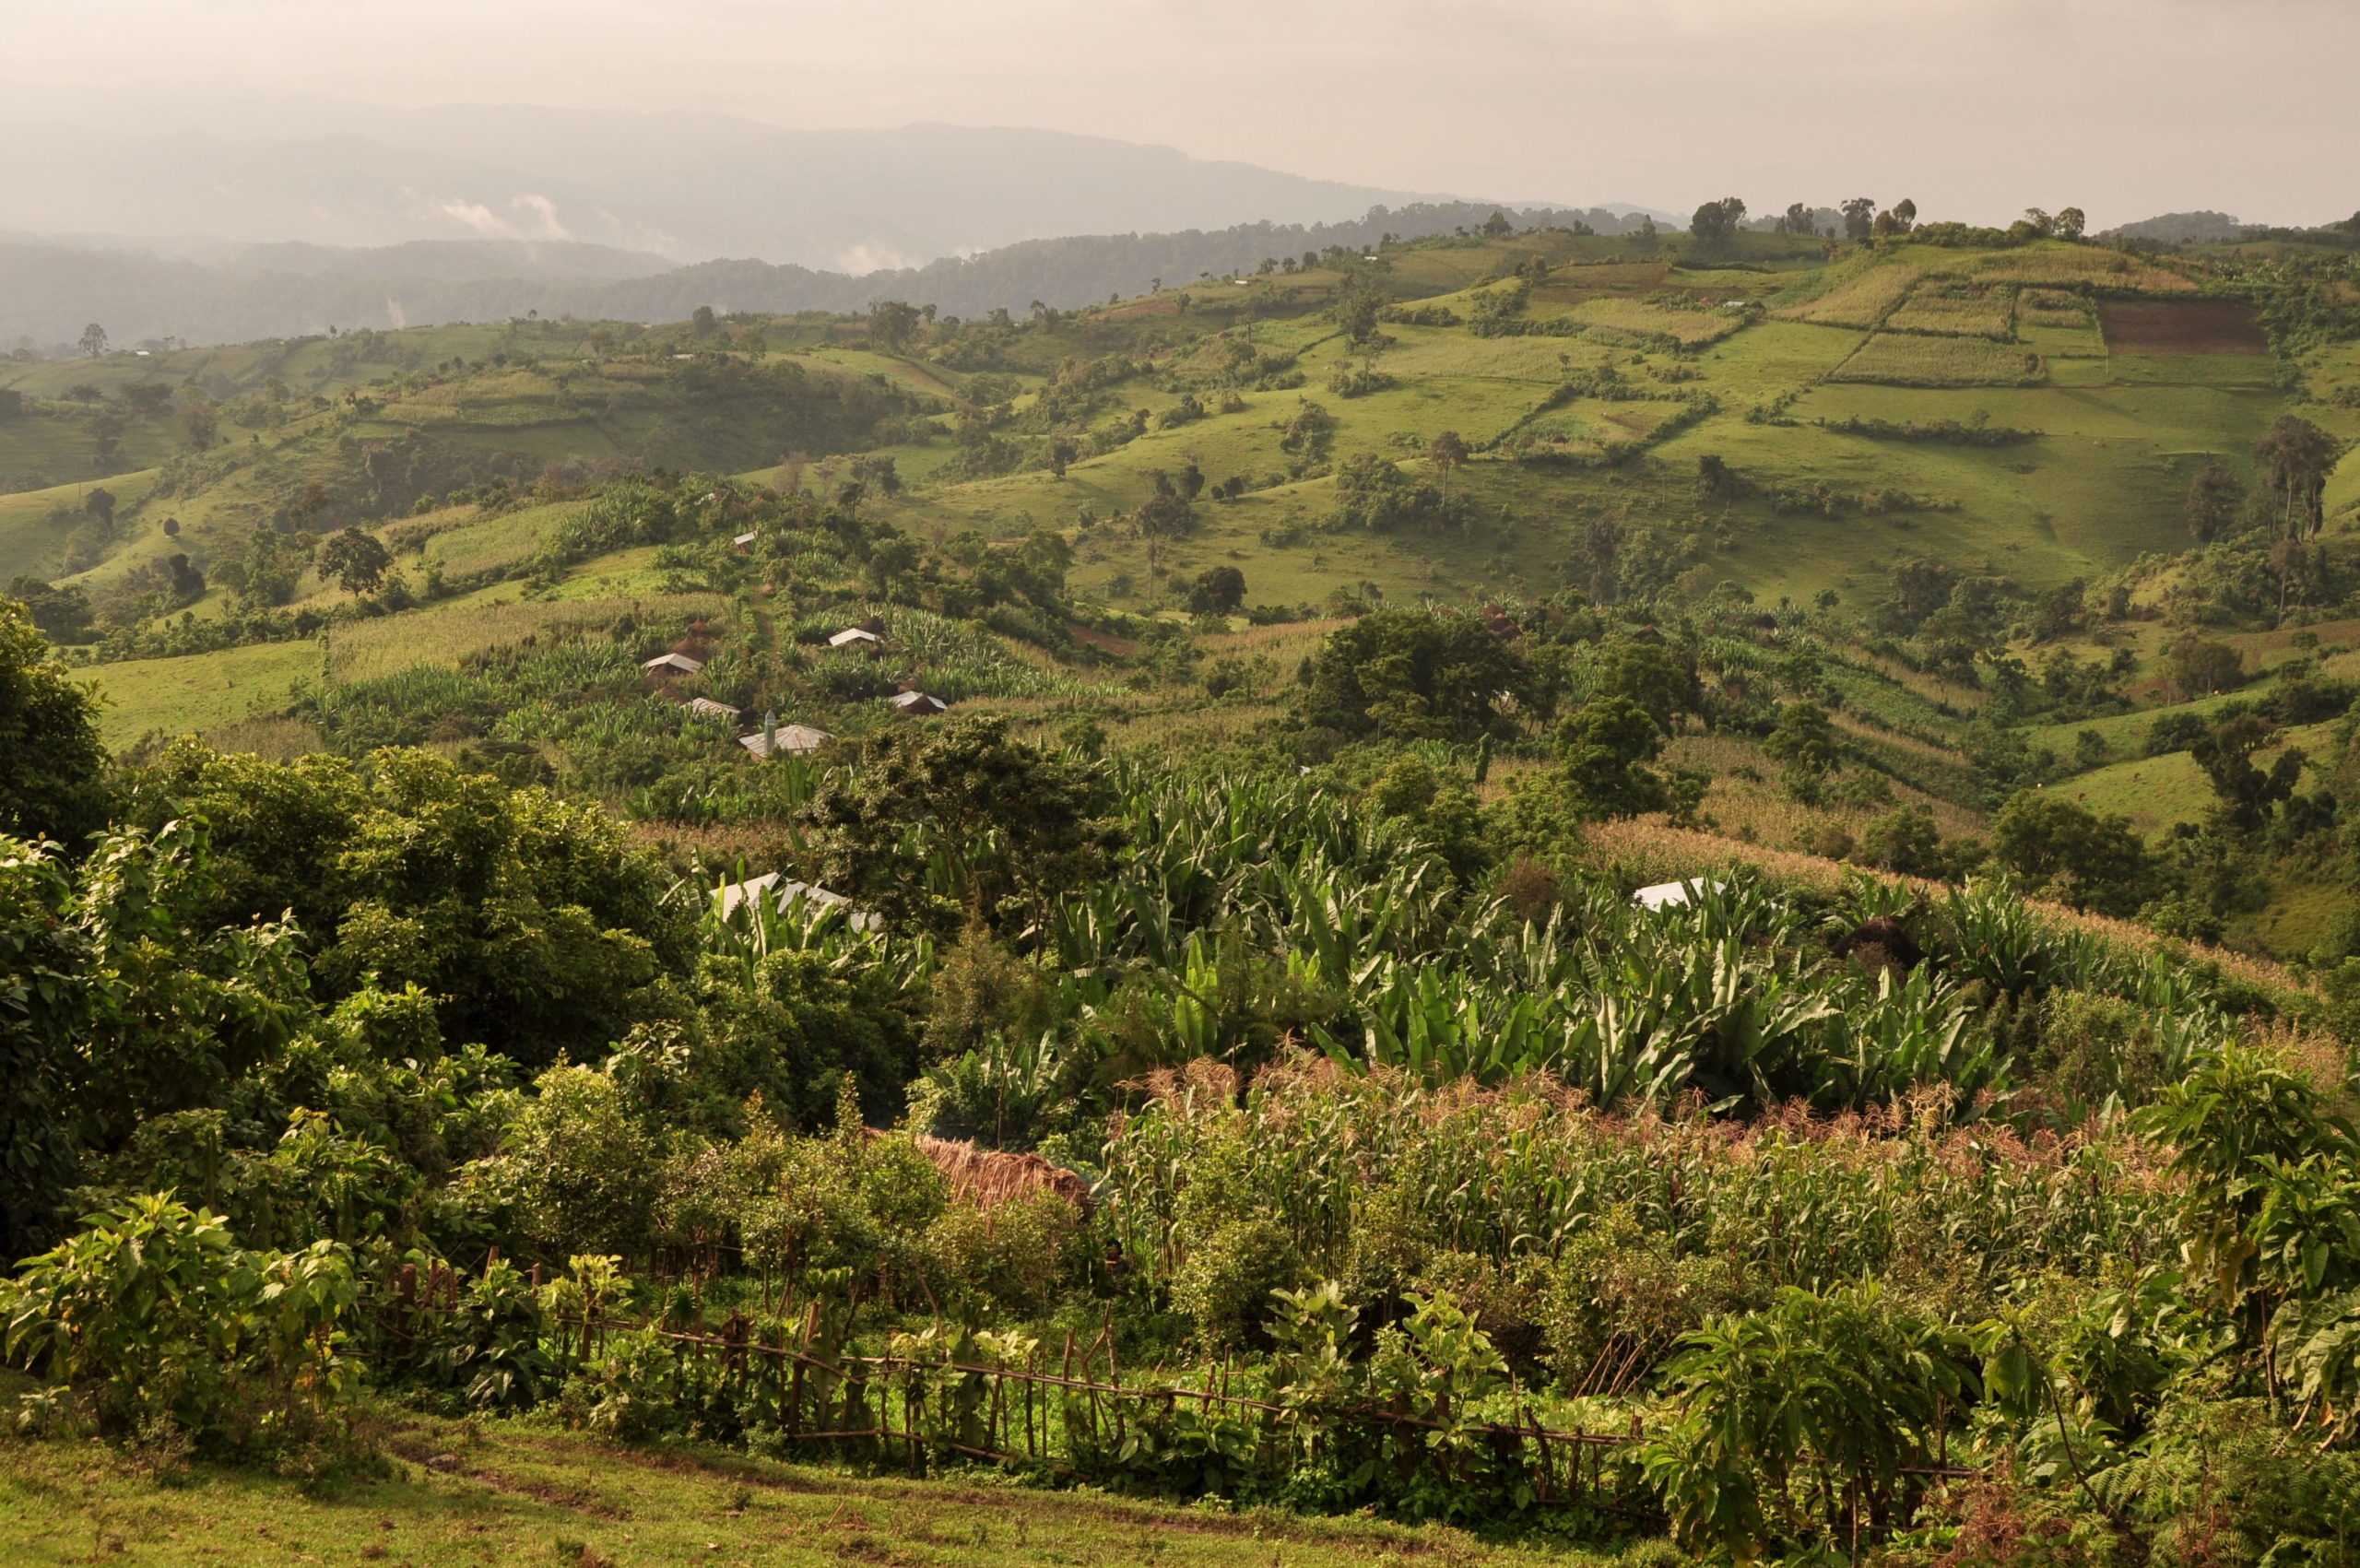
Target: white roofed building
x,y
1672,895
792,739
734,896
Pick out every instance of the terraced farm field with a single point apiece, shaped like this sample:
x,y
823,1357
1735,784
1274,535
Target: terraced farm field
x,y
1902,358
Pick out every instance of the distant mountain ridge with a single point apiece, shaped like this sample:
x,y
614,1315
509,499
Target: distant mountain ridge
x,y
690,187
49,292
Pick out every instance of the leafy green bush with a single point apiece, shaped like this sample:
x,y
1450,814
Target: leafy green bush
x,y
1225,1284
153,1312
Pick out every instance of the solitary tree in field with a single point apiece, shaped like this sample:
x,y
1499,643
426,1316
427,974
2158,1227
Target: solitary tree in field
x,y
1019,824
2072,222
355,560
2244,793
1805,742
2197,666
1447,453
100,504
106,435
1714,222
94,340
2091,860
1217,591
2297,456
1859,217
1603,750
1062,451
703,321
2212,500
894,323
198,421
1163,515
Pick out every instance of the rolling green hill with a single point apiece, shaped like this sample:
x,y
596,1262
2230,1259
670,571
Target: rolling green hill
x,y
1212,1024
1788,427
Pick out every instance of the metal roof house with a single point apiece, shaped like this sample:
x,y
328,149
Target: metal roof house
x,y
734,895
917,705
793,739
1672,895
673,663
852,634
707,708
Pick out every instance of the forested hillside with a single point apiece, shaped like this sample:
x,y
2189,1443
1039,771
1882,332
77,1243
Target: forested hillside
x,y
1597,889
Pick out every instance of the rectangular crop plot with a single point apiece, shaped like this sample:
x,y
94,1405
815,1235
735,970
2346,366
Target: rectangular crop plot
x,y
2193,326
2050,307
1908,359
1863,301
1572,284
2065,267
1642,320
1948,305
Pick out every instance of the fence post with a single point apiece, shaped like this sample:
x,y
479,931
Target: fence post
x,y
1114,1378
1064,1393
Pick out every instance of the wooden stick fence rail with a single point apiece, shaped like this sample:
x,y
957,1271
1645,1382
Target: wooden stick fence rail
x,y
1007,1414
1168,1393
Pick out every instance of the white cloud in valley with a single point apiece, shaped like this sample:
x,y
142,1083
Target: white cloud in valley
x,y
1975,108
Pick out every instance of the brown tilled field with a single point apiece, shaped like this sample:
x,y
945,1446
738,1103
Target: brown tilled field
x,y
2198,326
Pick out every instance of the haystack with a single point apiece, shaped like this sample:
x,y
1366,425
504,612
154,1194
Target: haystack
x,y
988,1177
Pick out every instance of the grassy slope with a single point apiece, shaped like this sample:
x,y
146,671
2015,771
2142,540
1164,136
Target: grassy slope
x,y
523,1496
2120,434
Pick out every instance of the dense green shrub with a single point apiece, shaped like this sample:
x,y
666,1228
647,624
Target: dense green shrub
x,y
155,1315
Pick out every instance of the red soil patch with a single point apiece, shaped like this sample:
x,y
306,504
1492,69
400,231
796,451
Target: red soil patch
x,y
2196,326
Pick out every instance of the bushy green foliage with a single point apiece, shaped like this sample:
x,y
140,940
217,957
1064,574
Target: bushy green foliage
x,y
50,761
1410,674
1803,1423
966,824
155,1317
2067,852
412,872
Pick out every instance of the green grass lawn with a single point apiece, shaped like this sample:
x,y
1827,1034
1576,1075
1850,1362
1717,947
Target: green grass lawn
x,y
516,1496
499,541
200,692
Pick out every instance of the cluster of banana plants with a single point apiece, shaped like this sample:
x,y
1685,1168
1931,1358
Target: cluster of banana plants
x,y
1253,912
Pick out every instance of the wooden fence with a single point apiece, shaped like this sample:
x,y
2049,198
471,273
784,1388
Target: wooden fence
x,y
1030,1416
1057,1414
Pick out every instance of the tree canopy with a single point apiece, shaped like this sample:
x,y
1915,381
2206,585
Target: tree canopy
x,y
943,828
52,764
1414,675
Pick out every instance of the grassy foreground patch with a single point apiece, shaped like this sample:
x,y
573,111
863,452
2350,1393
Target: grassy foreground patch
x,y
513,1494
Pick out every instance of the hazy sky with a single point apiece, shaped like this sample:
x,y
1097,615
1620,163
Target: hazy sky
x,y
1975,108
